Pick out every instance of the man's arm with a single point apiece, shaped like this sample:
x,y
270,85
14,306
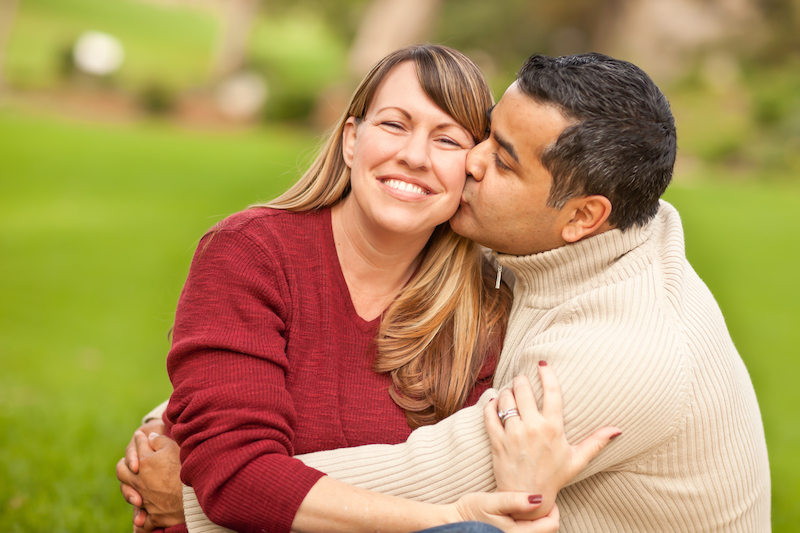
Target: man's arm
x,y
631,376
156,413
430,466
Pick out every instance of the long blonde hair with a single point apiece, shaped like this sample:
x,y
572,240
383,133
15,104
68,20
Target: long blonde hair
x,y
435,337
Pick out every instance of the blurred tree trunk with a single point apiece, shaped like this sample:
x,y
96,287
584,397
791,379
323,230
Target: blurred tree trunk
x,y
8,9
665,38
237,17
385,26
388,25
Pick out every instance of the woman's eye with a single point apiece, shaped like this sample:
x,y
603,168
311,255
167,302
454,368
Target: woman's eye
x,y
451,142
394,125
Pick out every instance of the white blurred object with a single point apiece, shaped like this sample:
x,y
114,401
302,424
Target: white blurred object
x,y
98,53
242,95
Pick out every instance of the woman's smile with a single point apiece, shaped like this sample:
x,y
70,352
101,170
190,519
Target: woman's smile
x,y
404,186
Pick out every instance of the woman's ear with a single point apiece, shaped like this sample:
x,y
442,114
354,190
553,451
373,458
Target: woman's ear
x,y
349,141
589,216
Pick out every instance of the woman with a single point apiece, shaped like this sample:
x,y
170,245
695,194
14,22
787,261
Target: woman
x,y
272,352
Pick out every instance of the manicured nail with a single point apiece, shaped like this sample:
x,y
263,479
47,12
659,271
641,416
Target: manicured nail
x,y
535,498
153,435
542,363
615,435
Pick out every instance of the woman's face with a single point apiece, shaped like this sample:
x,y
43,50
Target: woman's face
x,y
406,157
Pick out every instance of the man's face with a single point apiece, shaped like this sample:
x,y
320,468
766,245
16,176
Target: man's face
x,y
503,205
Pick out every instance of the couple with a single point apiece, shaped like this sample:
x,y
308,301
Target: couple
x,y
273,353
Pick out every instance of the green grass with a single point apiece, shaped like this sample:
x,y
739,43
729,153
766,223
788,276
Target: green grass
x,y
98,224
97,228
170,45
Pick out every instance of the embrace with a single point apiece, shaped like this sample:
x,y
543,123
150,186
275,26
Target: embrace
x,y
448,318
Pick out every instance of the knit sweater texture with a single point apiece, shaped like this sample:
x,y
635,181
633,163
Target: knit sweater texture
x,y
637,341
269,360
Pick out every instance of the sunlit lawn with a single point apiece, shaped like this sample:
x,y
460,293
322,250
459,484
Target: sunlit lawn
x,y
97,227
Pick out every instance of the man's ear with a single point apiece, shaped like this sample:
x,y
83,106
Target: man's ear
x,y
589,216
349,141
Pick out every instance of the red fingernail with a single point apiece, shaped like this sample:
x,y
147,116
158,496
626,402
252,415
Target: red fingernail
x,y
535,498
615,435
542,363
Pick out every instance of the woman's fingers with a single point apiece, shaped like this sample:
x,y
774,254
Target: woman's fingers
x,y
514,503
546,524
523,395
592,445
497,507
494,427
552,405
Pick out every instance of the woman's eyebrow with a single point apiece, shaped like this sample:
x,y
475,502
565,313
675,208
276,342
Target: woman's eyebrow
x,y
400,109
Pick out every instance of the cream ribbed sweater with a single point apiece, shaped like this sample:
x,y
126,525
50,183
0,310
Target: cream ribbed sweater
x,y
637,341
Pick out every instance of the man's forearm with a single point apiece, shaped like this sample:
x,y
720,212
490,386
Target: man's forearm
x,y
157,412
437,464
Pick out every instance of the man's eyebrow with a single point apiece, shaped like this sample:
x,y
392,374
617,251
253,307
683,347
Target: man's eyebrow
x,y
506,145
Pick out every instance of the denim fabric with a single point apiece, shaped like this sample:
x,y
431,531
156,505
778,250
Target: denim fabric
x,y
463,527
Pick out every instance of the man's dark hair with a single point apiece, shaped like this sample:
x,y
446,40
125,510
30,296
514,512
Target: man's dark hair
x,y
623,143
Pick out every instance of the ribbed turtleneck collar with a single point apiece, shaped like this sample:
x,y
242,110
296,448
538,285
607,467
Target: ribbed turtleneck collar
x,y
547,279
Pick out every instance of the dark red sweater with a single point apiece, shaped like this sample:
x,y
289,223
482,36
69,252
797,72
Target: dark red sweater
x,y
269,360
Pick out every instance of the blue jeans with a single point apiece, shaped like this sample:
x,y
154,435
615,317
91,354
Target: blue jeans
x,y
463,527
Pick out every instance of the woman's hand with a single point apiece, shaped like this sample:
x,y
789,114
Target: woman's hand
x,y
154,488
497,508
530,452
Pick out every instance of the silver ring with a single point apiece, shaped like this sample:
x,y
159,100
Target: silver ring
x,y
505,415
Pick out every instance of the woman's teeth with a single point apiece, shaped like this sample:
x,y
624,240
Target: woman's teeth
x,y
404,186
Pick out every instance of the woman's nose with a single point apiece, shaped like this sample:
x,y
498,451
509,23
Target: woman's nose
x,y
415,152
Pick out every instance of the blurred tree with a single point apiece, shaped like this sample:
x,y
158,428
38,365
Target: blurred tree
x,y
783,18
663,36
8,9
668,39
237,17
388,25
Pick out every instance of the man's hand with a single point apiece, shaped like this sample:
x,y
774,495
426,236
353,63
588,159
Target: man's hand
x,y
530,452
157,484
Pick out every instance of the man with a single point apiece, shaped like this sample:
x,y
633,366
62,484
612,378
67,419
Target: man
x,y
566,190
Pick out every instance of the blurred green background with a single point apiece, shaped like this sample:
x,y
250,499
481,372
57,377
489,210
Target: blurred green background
x,y
107,183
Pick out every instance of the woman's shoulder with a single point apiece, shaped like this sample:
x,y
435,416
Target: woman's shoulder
x,y
262,221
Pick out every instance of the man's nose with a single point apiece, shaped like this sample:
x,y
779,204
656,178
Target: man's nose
x,y
415,153
476,161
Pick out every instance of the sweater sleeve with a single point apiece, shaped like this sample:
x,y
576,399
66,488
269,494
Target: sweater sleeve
x,y
157,412
230,410
437,464
612,371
